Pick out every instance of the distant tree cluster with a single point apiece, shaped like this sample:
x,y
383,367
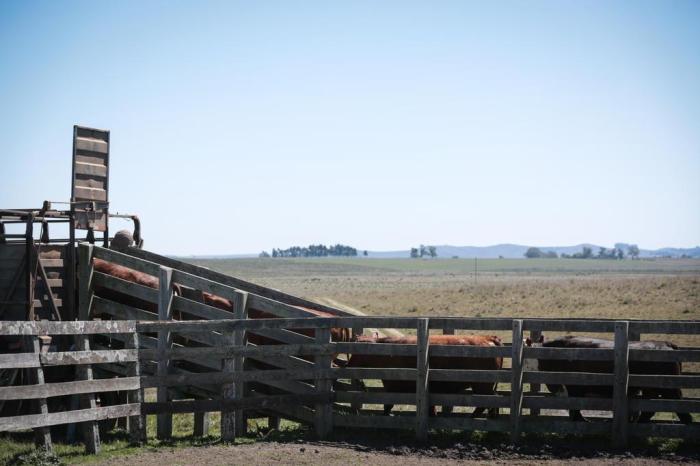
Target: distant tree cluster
x,y
316,250
423,251
537,253
618,252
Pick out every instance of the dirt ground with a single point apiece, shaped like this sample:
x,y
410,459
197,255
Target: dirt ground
x,y
346,454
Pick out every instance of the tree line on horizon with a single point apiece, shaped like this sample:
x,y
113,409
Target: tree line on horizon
x,y
313,250
618,252
423,251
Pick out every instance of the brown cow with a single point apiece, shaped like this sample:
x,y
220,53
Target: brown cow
x,y
607,367
435,362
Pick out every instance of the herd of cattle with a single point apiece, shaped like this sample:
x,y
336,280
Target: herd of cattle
x,y
441,387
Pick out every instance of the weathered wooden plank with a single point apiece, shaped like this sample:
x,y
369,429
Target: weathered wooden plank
x,y
516,384
535,336
19,360
91,432
422,373
479,324
137,424
79,327
564,325
324,410
283,336
377,349
268,401
165,283
687,431
47,390
201,424
666,406
687,327
132,289
93,169
588,354
376,398
561,402
620,401
42,434
30,421
462,375
679,355
485,401
126,260
64,358
665,381
240,311
259,352
374,422
91,145
229,391
470,351
561,425
92,194
568,378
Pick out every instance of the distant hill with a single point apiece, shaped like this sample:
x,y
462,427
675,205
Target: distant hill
x,y
517,251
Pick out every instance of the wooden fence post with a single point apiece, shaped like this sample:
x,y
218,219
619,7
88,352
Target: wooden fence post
x,y
233,423
516,384
164,430
201,424
535,388
324,409
620,401
91,432
137,424
422,368
42,434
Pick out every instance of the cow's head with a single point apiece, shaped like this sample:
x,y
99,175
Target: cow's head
x,y
530,342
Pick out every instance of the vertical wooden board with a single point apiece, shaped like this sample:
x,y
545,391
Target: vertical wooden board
x,y
620,400
43,434
137,424
233,421
422,395
165,283
323,416
516,384
531,364
91,432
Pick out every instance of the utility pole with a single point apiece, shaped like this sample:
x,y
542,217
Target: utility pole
x,y
475,270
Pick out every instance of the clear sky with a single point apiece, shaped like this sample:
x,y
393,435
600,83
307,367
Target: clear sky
x,y
242,126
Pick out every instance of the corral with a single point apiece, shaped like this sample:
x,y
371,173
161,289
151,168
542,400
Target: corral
x,y
200,358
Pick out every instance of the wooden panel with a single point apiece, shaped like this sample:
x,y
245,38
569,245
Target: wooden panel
x,y
28,392
66,327
90,169
29,421
91,145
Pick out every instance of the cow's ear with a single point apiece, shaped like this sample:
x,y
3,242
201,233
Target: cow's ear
x,y
528,341
540,339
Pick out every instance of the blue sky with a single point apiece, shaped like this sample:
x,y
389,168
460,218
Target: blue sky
x,y
242,126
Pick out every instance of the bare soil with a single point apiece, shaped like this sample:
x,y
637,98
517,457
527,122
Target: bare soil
x,y
341,453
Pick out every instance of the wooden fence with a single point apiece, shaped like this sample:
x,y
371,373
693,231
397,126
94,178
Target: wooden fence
x,y
322,403
210,365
